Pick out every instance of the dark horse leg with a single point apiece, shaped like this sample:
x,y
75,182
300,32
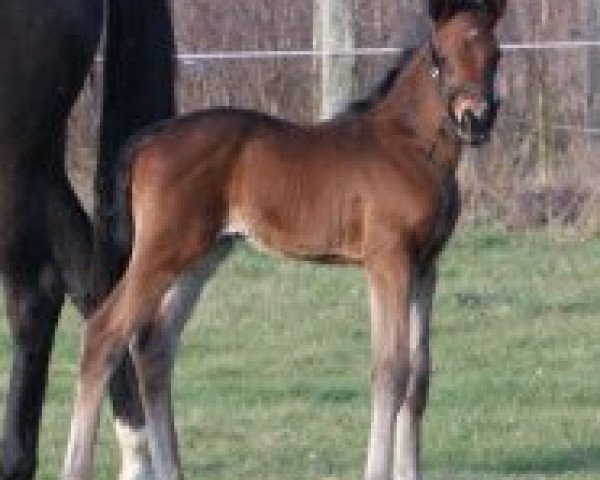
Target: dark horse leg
x,y
46,255
51,257
71,238
34,298
45,239
45,64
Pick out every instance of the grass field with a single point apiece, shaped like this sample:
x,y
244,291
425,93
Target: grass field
x,y
272,380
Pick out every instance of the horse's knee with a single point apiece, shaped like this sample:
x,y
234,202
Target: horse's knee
x,y
156,342
100,358
33,306
34,299
153,353
118,321
104,346
392,372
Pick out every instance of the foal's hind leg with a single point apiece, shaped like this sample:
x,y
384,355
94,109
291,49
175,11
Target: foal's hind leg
x,y
105,342
154,353
34,299
407,459
71,234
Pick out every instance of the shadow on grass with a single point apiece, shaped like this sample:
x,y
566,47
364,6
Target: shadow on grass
x,y
546,461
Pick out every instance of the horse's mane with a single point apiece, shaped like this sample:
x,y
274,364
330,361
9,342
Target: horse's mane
x,y
384,86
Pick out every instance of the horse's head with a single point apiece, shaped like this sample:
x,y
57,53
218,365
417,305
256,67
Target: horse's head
x,y
464,58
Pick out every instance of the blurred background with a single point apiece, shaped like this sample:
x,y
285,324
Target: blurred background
x,y
542,168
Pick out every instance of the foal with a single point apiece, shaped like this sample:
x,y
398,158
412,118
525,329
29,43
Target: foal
x,y
374,188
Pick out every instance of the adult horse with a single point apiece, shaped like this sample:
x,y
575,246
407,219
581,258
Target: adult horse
x,y
46,241
374,188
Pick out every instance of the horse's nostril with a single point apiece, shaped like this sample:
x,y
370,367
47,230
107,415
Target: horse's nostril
x,y
481,111
468,119
475,116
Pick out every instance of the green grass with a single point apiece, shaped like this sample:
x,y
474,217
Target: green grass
x,y
272,379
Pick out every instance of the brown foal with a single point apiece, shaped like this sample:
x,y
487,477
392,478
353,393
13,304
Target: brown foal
x,y
374,187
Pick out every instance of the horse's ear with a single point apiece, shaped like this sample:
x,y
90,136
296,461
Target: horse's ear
x,y
495,9
440,10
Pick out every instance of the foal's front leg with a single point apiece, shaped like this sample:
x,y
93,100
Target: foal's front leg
x,y
408,429
389,279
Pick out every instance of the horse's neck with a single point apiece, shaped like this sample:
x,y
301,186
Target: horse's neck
x,y
414,104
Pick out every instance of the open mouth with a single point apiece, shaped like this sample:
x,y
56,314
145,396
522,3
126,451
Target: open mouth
x,y
473,118
473,131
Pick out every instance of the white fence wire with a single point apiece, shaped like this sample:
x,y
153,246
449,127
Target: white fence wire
x,y
197,58
192,58
366,51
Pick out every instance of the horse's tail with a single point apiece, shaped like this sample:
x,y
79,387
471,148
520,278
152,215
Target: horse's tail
x,y
122,217
122,212
138,90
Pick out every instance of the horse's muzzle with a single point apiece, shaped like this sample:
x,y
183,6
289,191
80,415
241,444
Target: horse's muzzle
x,y
473,116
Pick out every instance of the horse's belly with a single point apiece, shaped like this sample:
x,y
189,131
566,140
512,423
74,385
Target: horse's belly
x,y
327,242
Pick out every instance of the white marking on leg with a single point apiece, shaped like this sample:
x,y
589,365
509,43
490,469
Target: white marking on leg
x,y
136,463
380,454
406,461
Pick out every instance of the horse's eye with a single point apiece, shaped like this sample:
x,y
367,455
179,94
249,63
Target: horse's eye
x,y
473,34
439,59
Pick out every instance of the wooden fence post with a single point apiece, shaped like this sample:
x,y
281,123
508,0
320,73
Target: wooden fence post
x,y
333,30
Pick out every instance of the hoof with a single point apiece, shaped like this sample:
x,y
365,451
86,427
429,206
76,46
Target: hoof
x,y
17,466
136,463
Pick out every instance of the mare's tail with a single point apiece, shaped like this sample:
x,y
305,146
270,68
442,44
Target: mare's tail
x,y
138,91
